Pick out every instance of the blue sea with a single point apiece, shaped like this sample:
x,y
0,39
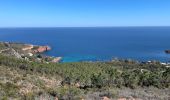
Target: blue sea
x,y
96,43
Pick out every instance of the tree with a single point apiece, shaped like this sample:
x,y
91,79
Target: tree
x,y
98,80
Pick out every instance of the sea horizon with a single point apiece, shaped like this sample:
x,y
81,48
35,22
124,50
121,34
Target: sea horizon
x,y
79,26
96,43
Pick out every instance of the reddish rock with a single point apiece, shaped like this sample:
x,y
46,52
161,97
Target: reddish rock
x,y
42,49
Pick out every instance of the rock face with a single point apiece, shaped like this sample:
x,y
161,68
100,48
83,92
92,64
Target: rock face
x,y
42,49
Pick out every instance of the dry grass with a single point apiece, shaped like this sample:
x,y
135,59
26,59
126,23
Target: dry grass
x,y
26,83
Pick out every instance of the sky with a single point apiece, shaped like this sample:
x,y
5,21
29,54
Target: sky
x,y
84,13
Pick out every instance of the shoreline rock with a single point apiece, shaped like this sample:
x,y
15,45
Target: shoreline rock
x,y
42,49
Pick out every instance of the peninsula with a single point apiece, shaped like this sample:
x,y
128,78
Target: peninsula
x,y
28,52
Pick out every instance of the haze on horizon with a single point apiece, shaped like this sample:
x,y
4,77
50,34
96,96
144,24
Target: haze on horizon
x,y
84,13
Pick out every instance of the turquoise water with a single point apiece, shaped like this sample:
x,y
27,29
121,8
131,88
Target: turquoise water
x,y
96,44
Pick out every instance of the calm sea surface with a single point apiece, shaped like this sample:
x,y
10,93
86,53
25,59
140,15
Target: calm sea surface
x,y
91,44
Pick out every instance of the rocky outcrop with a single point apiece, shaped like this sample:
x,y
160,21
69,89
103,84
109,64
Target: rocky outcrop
x,y
35,48
28,52
42,49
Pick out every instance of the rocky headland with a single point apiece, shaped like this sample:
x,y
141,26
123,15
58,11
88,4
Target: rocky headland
x,y
28,52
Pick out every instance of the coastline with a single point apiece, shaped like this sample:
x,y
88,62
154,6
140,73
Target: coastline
x,y
37,53
28,52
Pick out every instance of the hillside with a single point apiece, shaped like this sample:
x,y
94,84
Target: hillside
x,y
116,80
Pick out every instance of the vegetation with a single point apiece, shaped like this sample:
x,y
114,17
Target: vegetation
x,y
76,80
